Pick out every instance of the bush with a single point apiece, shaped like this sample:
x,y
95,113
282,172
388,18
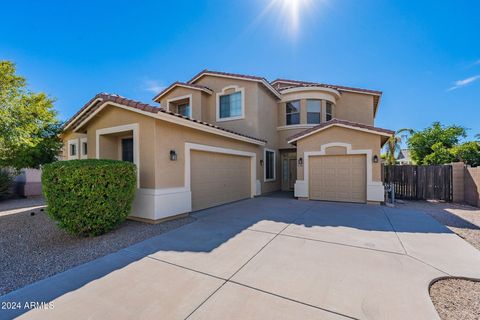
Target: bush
x,y
6,180
89,197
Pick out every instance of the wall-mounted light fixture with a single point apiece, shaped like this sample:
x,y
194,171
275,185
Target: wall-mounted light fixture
x,y
261,163
375,159
300,161
173,155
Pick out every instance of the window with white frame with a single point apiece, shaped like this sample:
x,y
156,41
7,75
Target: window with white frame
x,y
329,111
72,149
313,111
230,104
270,173
83,148
292,112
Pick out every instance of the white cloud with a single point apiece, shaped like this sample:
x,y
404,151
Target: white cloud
x,y
152,86
462,83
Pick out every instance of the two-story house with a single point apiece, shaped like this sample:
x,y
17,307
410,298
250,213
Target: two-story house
x,y
222,137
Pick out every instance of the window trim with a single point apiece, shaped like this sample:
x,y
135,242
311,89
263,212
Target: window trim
x,y
83,154
188,96
265,150
75,143
242,103
299,112
332,110
319,111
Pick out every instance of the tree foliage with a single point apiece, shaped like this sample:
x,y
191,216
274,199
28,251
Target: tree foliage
x,y
439,144
29,125
393,145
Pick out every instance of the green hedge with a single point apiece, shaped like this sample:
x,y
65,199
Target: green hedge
x,y
89,197
6,181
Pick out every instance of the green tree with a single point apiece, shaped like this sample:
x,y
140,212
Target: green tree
x,y
29,126
432,145
468,152
393,145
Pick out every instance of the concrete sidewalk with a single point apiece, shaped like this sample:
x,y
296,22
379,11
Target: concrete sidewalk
x,y
266,258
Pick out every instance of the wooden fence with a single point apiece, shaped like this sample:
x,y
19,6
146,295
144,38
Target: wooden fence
x,y
420,182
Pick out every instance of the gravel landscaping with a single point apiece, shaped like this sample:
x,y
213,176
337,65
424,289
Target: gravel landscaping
x,y
33,248
456,299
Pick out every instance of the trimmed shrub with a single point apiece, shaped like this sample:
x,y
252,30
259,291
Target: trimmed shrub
x,y
89,197
6,181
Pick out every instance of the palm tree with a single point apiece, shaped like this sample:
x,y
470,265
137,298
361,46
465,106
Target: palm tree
x,y
394,144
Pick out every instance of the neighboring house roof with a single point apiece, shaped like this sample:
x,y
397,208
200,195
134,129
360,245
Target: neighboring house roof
x,y
404,155
340,123
184,85
96,104
261,80
296,83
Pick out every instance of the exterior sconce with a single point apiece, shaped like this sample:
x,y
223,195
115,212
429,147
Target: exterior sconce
x,y
173,155
261,163
300,161
375,159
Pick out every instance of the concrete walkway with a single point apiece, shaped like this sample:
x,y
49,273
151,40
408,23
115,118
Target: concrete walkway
x,y
266,258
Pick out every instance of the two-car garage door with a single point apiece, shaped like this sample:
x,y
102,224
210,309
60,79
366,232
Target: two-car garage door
x,y
338,178
218,178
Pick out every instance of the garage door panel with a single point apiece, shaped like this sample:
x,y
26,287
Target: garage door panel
x,y
218,178
338,178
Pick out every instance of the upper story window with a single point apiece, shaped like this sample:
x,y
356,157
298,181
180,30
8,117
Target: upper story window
x,y
293,112
181,105
184,109
230,104
313,111
329,111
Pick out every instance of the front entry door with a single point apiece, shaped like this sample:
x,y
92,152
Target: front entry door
x,y
292,173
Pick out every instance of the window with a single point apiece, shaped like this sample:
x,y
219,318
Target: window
x,y
184,109
127,149
293,112
84,149
230,106
313,111
269,165
329,111
73,150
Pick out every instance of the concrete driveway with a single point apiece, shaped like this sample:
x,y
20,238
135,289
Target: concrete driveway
x,y
266,258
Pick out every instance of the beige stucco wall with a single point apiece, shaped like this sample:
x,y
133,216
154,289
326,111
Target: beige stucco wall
x,y
171,136
112,116
355,107
358,140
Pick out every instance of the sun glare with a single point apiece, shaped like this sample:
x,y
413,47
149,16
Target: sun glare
x,y
290,13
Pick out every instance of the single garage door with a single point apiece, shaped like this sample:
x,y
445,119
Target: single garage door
x,y
218,178
338,178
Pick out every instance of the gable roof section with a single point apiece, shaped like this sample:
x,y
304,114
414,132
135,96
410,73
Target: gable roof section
x,y
102,99
184,85
340,123
261,80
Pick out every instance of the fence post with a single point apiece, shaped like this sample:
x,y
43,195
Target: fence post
x,y
458,177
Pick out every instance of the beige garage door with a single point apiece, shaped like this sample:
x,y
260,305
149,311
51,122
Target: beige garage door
x,y
338,178
218,178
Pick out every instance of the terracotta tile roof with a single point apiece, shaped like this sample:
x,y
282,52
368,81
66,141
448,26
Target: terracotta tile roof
x,y
89,108
183,84
227,74
296,83
340,122
237,75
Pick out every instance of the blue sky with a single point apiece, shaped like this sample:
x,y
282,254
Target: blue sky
x,y
424,55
